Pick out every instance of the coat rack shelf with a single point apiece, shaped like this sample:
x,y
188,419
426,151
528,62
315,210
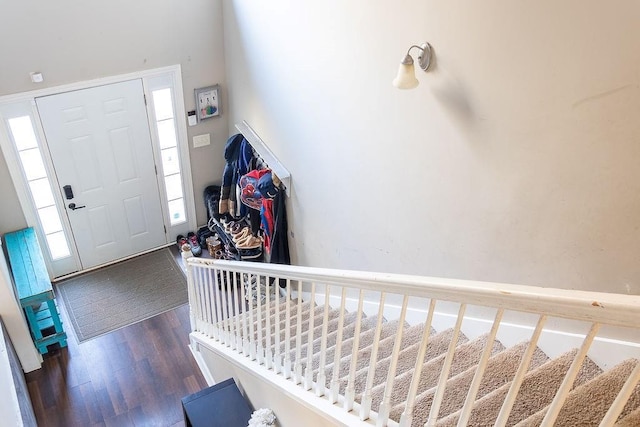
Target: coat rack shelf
x,y
265,153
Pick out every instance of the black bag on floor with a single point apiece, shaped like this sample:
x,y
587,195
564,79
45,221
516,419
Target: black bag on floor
x,y
211,196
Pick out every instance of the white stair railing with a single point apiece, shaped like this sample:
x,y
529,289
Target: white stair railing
x,y
322,313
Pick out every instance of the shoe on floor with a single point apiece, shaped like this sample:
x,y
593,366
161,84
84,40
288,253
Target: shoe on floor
x,y
196,249
181,240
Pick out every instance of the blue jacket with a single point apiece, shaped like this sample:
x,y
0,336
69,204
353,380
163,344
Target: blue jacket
x,y
239,157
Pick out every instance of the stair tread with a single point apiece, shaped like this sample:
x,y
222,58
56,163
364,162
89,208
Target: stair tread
x,y
387,329
591,400
630,420
501,368
366,324
465,356
406,361
537,391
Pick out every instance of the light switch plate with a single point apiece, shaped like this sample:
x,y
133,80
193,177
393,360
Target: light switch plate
x,y
201,140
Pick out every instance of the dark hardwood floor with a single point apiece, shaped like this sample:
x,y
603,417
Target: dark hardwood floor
x,y
134,376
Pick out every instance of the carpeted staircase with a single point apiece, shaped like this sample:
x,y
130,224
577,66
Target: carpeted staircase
x,y
592,393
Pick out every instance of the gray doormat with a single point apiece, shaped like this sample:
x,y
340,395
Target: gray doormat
x,y
128,292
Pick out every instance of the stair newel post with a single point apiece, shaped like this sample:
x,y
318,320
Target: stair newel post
x,y
237,314
192,297
267,311
407,416
482,365
308,370
385,406
297,368
446,368
246,308
287,331
228,306
260,346
321,380
623,396
365,406
217,274
569,378
335,380
277,357
351,388
510,399
246,278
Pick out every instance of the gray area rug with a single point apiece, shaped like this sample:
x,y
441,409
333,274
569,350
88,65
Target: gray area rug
x,y
124,293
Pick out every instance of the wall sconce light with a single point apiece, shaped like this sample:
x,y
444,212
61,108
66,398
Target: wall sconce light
x,y
406,78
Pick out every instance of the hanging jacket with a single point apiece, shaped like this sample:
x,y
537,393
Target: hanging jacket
x,y
238,156
279,237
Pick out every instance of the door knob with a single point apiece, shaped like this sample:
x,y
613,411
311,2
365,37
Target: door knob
x,y
73,206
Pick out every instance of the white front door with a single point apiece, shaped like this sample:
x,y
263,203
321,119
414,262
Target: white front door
x,y
101,151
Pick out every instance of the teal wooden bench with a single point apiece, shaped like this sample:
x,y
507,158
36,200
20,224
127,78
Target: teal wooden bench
x,y
34,289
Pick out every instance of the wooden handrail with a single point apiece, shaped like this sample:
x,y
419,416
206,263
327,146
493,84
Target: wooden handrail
x,y
612,309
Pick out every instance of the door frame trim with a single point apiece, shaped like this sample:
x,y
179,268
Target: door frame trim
x,y
173,71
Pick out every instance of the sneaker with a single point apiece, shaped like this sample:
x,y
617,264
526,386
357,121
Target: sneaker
x,y
181,240
196,249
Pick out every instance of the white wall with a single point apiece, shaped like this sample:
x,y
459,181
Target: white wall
x,y
70,41
515,160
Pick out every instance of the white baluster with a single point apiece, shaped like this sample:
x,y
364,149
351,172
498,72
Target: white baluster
x,y
308,372
569,378
287,332
246,343
351,388
277,357
207,318
237,314
218,332
365,407
268,353
321,380
297,368
510,399
335,381
446,368
407,416
260,347
482,366
621,399
252,320
228,306
383,412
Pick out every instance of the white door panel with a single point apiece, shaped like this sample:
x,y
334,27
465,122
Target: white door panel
x,y
100,145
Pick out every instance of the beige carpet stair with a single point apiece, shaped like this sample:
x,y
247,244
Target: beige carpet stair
x,y
500,370
589,399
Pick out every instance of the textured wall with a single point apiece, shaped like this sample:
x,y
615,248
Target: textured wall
x,y
515,160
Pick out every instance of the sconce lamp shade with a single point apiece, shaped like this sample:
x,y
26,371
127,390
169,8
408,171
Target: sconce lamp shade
x,y
406,78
